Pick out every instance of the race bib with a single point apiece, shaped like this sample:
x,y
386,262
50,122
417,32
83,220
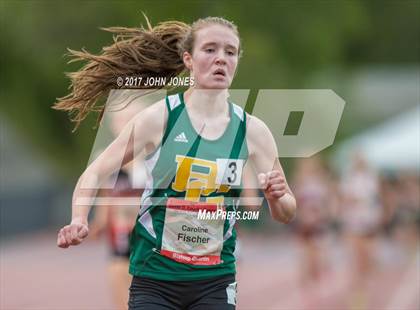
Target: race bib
x,y
188,239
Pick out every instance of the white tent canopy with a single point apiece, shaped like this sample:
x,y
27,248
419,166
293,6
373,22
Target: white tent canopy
x,y
392,145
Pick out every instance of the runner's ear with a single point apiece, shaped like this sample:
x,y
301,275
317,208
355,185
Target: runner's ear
x,y
187,58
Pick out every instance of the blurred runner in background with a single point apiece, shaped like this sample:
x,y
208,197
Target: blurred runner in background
x,y
400,195
361,218
312,189
117,217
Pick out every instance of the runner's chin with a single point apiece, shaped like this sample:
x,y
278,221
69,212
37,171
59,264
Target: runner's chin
x,y
219,82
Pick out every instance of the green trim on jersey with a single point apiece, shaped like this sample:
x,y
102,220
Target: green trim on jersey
x,y
181,139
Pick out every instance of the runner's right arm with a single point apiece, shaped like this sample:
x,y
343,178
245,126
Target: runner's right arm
x,y
146,130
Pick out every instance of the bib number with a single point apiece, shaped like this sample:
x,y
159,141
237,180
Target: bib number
x,y
229,171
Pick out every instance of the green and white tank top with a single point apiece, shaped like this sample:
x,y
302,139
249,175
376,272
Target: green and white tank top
x,y
189,167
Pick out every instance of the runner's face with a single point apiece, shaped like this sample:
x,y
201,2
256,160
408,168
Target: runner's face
x,y
214,57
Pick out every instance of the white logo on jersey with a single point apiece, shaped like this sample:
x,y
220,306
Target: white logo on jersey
x,y
181,138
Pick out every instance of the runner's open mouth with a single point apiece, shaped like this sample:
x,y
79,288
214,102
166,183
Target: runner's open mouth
x,y
219,72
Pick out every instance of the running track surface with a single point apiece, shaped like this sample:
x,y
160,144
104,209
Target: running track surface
x,y
35,274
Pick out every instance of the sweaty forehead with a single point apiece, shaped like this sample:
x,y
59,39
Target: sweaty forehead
x,y
216,34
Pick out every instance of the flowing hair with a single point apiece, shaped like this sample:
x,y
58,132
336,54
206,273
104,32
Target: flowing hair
x,y
137,52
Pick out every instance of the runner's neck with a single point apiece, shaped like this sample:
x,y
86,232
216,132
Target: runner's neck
x,y
206,103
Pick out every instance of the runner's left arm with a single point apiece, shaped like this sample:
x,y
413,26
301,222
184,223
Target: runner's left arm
x,y
264,157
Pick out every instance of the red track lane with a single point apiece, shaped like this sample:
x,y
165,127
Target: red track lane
x,y
35,274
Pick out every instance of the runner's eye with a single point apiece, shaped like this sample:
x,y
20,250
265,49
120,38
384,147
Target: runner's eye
x,y
209,50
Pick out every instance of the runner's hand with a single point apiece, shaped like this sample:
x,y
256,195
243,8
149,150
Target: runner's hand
x,y
72,234
273,184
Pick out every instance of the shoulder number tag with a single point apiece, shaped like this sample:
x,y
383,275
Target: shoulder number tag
x,y
229,171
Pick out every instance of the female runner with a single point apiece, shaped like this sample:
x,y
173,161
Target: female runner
x,y
197,144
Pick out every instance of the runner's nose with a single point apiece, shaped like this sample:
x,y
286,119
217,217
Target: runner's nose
x,y
220,58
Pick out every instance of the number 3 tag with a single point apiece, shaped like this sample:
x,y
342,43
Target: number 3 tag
x,y
229,171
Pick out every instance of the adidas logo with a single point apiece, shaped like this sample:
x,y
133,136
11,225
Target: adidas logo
x,y
181,138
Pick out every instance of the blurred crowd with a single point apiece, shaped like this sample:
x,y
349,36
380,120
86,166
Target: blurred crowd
x,y
363,211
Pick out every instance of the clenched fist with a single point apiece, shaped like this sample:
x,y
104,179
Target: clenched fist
x,y
273,184
72,234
